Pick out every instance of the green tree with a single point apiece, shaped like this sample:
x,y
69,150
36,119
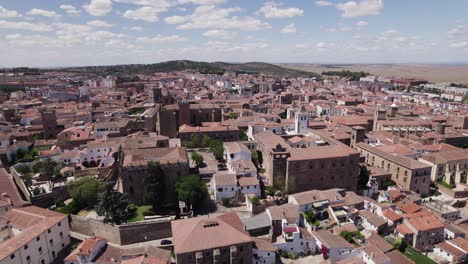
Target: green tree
x,y
84,191
243,136
192,190
113,206
20,153
197,158
196,140
153,192
205,141
217,147
363,177
232,116
23,169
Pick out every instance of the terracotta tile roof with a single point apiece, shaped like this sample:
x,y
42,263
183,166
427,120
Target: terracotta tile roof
x,y
141,157
449,248
285,211
9,187
424,221
225,179
391,215
373,218
409,208
379,242
330,240
202,233
33,221
376,254
404,229
248,181
397,258
263,244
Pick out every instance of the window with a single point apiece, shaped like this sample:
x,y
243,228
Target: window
x,y
241,248
12,256
38,238
59,224
61,235
51,242
28,259
26,247
48,231
40,250
220,189
53,254
42,261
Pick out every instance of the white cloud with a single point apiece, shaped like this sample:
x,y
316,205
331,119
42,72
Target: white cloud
x,y
291,28
325,45
362,8
458,45
274,10
362,23
99,23
136,28
69,9
323,3
202,2
458,31
175,19
210,16
42,12
300,46
160,39
20,25
98,7
146,13
235,47
8,13
217,33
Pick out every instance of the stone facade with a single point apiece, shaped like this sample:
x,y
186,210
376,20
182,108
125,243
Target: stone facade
x,y
234,254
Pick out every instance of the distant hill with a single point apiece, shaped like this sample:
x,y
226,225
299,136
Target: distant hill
x,y
203,67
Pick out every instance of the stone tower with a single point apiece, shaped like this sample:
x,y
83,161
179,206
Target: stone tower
x,y
380,114
49,123
301,121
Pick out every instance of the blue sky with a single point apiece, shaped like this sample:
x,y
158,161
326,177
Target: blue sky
x,y
97,32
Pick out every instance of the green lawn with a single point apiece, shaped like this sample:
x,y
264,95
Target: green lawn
x,y
417,257
139,215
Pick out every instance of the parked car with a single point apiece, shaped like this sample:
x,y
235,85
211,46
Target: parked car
x,y
166,242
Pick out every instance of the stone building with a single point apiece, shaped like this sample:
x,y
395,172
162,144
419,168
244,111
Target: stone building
x,y
171,117
173,161
408,173
303,169
49,123
218,131
218,239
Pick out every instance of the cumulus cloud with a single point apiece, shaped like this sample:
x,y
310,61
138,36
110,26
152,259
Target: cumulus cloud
x,y
202,2
4,13
213,17
458,45
361,23
217,33
361,8
98,7
146,13
160,39
99,23
136,28
323,3
70,10
235,47
291,28
21,25
275,10
42,12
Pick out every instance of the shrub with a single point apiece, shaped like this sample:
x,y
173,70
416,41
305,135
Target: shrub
x,y
23,169
149,213
226,202
255,201
132,210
